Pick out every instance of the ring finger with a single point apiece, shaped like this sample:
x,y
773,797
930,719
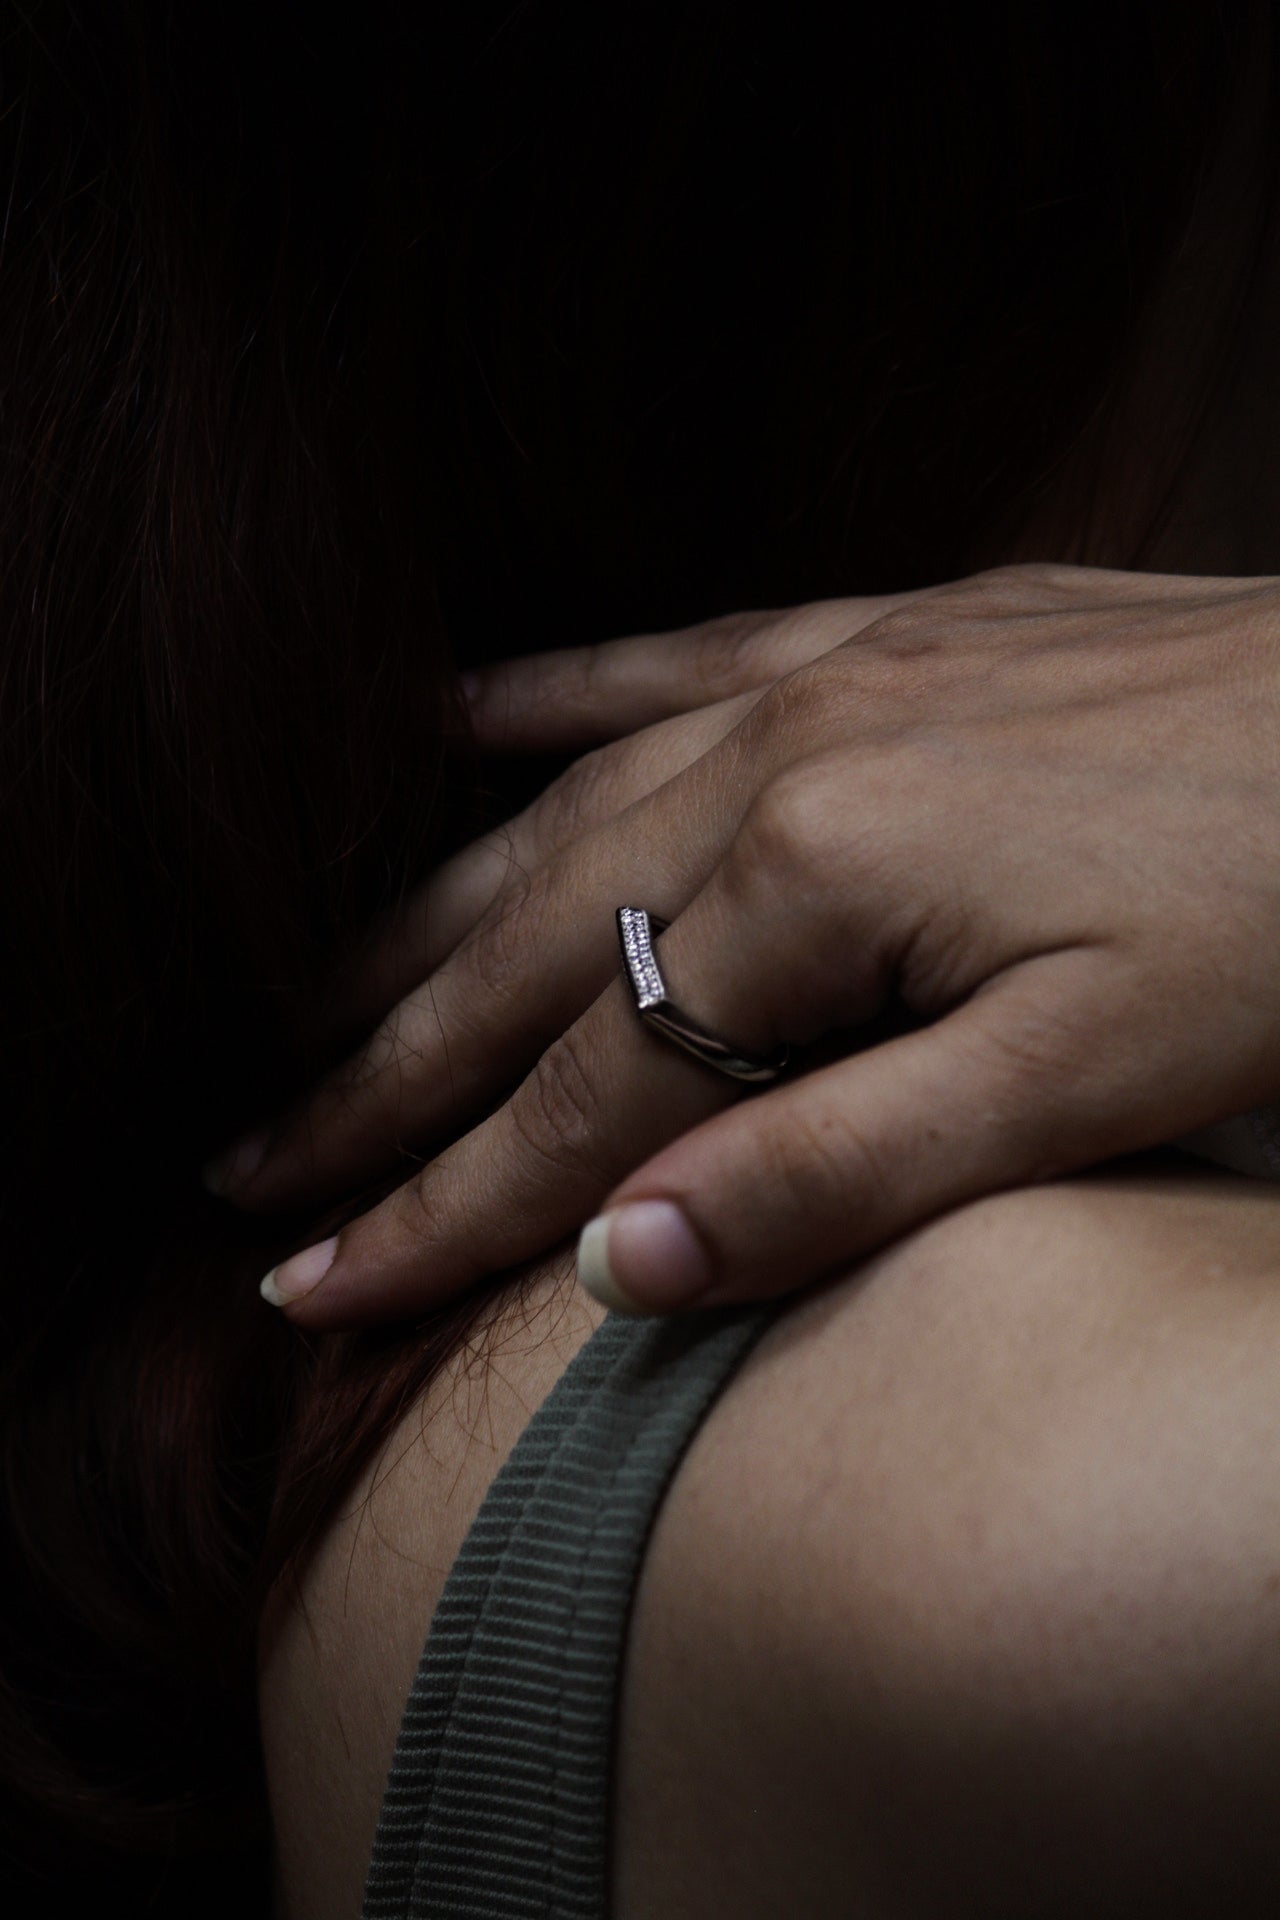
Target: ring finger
x,y
604,1097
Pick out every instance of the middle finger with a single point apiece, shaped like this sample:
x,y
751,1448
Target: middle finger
x,y
600,1100
541,954
440,915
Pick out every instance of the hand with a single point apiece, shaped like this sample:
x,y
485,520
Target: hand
x,y
1038,810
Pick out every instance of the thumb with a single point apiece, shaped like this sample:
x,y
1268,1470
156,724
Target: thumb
x,y
1032,1077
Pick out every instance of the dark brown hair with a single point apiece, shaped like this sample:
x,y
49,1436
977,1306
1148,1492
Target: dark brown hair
x,y
329,358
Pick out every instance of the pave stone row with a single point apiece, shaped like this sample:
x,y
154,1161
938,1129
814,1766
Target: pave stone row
x,y
641,965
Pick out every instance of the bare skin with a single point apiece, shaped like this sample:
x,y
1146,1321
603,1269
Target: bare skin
x,y
335,1675
1003,1634
1036,809
1000,1634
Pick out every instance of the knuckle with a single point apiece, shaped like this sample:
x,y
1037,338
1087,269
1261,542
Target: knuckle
x,y
498,954
576,801
573,680
592,664
785,832
796,706
414,1217
998,582
928,630
1034,1049
389,1054
368,1091
1031,578
917,632
556,1111
729,654
868,1173
1022,587
822,1160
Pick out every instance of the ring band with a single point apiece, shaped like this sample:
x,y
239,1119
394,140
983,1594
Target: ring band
x,y
637,931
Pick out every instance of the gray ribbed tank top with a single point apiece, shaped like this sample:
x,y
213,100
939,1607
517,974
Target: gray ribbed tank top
x,y
497,1803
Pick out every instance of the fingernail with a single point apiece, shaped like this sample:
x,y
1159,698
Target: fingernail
x,y
643,1258
299,1274
237,1166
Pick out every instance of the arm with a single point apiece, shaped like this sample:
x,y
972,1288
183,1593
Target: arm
x,y
966,1598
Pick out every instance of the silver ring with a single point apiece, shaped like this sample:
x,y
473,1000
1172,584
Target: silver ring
x,y
637,931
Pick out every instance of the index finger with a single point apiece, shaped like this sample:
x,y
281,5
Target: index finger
x,y
581,695
541,953
418,936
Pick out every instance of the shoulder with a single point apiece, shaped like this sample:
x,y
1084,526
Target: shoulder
x,y
1001,1503
335,1671
967,1594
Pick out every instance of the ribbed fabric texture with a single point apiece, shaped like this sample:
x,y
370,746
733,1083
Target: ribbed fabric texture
x,y
497,1804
